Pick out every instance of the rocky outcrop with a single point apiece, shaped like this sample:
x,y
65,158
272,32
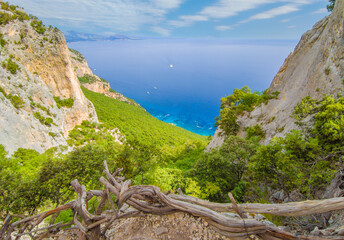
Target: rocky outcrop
x,y
315,68
92,82
37,69
174,226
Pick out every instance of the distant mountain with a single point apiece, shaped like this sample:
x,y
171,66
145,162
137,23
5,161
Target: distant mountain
x,y
73,36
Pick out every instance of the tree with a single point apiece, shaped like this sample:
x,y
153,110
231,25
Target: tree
x,y
330,6
220,171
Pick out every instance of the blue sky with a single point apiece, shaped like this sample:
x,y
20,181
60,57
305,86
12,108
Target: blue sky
x,y
234,19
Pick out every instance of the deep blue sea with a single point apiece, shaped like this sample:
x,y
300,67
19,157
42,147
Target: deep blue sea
x,y
182,81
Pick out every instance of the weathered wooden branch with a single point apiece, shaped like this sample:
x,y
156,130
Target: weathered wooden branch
x,y
292,209
150,200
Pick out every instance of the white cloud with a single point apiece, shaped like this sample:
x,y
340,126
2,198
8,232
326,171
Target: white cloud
x,y
228,8
167,4
292,26
275,12
162,31
179,23
100,15
196,18
285,20
320,11
223,28
187,20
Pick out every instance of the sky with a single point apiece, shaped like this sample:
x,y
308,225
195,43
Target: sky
x,y
233,19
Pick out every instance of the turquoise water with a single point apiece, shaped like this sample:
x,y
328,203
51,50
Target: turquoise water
x,y
182,81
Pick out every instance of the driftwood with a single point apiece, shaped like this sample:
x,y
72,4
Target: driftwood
x,y
150,200
293,209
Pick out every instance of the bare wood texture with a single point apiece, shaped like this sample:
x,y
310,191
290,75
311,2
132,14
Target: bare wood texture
x,y
5,226
292,209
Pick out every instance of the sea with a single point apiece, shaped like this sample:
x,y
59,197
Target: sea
x,y
182,81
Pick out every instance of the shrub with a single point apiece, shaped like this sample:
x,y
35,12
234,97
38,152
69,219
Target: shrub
x,y
68,102
11,66
79,57
255,131
16,101
330,6
38,26
240,101
89,79
3,42
46,121
3,91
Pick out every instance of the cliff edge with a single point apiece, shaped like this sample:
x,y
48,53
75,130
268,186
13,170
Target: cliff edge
x,y
315,68
40,98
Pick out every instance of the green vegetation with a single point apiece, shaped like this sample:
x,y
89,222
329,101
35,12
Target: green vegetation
x,y
68,102
6,17
16,101
255,131
137,124
38,26
10,65
43,120
330,6
221,170
45,109
78,56
89,79
3,42
303,161
242,100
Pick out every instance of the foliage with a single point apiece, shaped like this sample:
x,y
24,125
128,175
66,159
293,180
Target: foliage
x,y
137,124
330,6
16,101
173,179
292,163
305,160
90,79
20,189
89,132
43,120
68,102
327,119
6,17
38,26
6,6
3,42
11,66
220,171
240,101
304,108
255,131
78,56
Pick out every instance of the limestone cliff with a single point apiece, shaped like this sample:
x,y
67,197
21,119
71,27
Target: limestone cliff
x,y
316,67
40,98
91,81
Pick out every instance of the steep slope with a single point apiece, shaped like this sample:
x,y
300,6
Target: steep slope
x,y
91,81
316,67
40,99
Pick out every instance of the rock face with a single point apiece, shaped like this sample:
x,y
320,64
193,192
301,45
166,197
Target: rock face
x,y
94,83
175,226
44,71
316,67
